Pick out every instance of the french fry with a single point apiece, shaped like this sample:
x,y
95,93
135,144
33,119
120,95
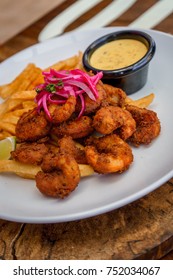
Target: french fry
x,y
12,108
57,66
9,127
28,104
15,101
19,112
10,118
29,81
9,105
29,171
4,134
66,64
39,80
21,82
143,102
85,170
24,95
79,64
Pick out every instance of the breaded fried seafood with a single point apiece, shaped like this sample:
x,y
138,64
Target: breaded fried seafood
x,y
114,96
91,106
62,112
76,128
108,119
31,153
32,126
108,154
67,145
148,125
60,175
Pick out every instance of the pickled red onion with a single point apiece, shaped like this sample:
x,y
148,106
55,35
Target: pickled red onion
x,y
59,85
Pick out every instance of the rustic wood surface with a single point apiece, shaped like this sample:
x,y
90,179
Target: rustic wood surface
x,y
140,230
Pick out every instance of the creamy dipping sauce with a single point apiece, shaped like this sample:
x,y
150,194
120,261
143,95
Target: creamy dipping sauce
x,y
118,54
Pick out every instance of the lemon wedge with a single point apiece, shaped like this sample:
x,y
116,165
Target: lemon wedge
x,y
7,145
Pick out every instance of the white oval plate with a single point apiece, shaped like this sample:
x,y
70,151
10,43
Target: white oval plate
x,y
153,165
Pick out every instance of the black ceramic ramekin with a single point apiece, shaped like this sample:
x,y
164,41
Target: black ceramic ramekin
x,y
130,78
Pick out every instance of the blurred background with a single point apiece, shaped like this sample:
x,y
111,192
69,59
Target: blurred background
x,y
16,15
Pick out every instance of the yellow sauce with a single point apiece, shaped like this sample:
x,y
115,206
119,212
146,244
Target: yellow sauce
x,y
118,54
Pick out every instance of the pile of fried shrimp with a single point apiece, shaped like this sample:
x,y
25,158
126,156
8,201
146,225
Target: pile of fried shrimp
x,y
61,151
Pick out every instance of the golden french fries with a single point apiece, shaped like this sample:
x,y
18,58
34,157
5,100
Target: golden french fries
x,y
143,102
10,118
24,95
9,105
4,134
67,64
9,127
29,171
16,101
28,104
22,82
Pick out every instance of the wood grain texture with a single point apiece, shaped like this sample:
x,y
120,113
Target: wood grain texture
x,y
140,230
16,15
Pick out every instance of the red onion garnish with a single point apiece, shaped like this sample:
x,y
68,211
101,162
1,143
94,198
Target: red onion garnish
x,y
59,85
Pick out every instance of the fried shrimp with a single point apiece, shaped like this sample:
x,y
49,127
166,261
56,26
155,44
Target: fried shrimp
x,y
108,119
108,154
59,176
61,113
68,145
76,128
114,96
92,105
32,126
148,125
30,153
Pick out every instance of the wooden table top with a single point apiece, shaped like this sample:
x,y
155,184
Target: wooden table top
x,y
140,230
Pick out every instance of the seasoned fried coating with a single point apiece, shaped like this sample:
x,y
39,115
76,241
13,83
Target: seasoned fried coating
x,y
114,96
60,176
148,125
90,105
76,128
61,113
108,154
32,126
108,119
30,153
69,146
